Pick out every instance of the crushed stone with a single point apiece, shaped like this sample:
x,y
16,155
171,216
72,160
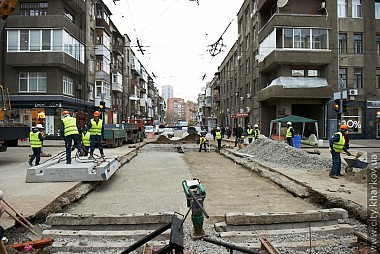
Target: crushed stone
x,y
273,153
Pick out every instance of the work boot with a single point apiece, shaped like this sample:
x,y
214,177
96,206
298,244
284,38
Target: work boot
x,y
30,163
102,155
91,155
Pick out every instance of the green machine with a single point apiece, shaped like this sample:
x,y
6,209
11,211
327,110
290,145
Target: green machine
x,y
195,195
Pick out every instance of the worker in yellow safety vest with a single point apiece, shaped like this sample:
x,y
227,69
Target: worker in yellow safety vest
x,y
86,139
218,137
203,141
336,148
250,133
289,133
96,129
257,131
70,131
36,136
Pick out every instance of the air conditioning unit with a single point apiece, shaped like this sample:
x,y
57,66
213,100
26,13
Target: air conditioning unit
x,y
353,92
248,95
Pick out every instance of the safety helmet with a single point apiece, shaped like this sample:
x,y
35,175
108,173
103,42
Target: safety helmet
x,y
65,112
289,123
343,127
256,126
218,128
39,126
96,113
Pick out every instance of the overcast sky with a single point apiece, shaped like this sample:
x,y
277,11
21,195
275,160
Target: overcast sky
x,y
176,35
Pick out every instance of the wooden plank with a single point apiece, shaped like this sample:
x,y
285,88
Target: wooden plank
x,y
39,244
266,245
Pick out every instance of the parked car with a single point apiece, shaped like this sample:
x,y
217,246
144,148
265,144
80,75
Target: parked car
x,y
149,129
194,130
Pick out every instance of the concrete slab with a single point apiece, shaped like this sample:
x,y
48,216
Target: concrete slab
x,y
79,170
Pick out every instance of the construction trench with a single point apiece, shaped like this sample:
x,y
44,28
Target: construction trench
x,y
246,200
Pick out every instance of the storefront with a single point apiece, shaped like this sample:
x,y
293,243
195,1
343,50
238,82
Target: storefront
x,y
374,109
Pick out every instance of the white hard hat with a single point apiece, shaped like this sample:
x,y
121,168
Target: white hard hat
x,y
256,126
39,126
218,128
290,123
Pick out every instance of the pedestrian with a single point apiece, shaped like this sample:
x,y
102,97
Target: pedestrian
x,y
96,129
218,137
70,131
223,131
203,141
36,136
238,132
250,133
228,131
213,132
289,133
256,132
86,140
336,148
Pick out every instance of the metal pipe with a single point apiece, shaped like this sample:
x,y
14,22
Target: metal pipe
x,y
230,246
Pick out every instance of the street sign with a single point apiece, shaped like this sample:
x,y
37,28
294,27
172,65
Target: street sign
x,y
341,85
340,95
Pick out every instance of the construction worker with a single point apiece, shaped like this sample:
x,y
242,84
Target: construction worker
x,y
86,139
289,133
203,141
256,132
250,133
218,137
70,130
96,129
336,148
36,137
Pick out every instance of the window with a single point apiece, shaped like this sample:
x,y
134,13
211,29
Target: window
x,y
343,75
356,8
92,10
32,81
296,38
342,43
68,15
68,85
342,8
92,36
378,44
377,9
358,78
102,89
353,119
33,9
91,64
248,66
298,73
247,40
378,78
91,91
313,73
358,49
56,40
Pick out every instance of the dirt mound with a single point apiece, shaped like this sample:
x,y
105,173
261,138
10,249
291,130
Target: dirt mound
x,y
191,138
162,140
358,177
279,154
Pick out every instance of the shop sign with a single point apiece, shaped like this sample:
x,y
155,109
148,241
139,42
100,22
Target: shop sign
x,y
49,125
233,116
353,123
242,114
47,105
373,104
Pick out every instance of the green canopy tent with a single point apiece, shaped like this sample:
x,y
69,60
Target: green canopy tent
x,y
293,119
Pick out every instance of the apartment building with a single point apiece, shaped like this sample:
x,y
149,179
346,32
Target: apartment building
x,y
69,55
176,111
43,60
290,58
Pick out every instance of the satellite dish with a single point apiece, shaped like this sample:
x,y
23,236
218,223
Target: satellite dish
x,y
281,3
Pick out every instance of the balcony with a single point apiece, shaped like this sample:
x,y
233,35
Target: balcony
x,y
102,50
136,66
117,83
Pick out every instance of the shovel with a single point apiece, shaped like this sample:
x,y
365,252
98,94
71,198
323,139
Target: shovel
x,y
35,232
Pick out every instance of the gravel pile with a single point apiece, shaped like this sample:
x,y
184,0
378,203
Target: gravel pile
x,y
273,153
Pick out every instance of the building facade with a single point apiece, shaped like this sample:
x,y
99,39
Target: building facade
x,y
291,59
69,55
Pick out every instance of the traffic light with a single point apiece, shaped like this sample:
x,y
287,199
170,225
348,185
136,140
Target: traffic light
x,y
344,105
102,105
336,106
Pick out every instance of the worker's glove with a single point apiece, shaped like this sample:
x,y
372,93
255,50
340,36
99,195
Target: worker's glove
x,y
348,153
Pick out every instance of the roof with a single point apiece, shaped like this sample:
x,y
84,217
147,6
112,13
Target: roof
x,y
294,119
